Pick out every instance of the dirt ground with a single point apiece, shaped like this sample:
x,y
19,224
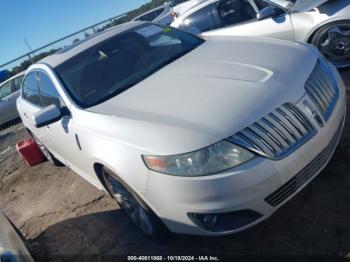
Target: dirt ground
x,y
62,215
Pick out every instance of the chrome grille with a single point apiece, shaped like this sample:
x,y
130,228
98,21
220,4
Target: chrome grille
x,y
278,134
322,89
304,175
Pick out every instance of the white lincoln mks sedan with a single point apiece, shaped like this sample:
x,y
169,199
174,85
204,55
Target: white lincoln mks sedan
x,y
189,135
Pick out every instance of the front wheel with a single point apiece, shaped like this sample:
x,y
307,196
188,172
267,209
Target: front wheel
x,y
140,214
333,40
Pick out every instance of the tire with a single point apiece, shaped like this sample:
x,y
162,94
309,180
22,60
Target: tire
x,y
139,213
54,161
333,40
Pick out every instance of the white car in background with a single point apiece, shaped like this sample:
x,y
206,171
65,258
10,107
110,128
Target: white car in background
x,y
9,92
205,137
167,13
325,24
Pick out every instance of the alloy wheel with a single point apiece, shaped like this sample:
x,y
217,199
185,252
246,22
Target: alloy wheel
x,y
130,205
335,45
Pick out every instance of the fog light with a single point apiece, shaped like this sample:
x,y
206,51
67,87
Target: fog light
x,y
210,220
225,221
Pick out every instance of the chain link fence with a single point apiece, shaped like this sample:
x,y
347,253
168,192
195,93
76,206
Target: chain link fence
x,y
22,62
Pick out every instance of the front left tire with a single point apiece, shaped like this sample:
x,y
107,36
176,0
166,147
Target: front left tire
x,y
139,213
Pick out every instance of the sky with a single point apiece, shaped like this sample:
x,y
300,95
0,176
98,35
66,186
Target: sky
x,y
43,21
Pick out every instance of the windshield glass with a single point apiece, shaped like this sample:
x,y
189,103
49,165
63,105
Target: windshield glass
x,y
116,64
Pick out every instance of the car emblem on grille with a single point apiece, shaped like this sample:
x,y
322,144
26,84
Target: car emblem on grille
x,y
311,109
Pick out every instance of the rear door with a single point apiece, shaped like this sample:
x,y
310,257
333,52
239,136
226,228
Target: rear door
x,y
15,92
204,19
5,103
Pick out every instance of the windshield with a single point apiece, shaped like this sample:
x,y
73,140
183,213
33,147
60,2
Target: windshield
x,y
112,66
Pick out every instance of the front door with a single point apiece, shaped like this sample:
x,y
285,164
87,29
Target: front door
x,y
59,137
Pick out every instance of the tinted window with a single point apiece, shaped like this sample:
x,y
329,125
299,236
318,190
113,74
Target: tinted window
x,y
202,20
31,89
5,90
235,11
122,61
48,92
17,82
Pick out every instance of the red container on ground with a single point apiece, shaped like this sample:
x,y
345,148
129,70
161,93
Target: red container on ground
x,y
30,152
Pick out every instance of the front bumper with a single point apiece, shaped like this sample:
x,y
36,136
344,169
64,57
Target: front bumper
x,y
261,185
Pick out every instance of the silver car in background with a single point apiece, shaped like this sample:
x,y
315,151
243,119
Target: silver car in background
x,y
325,24
9,92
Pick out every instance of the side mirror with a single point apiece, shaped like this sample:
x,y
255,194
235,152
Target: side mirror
x,y
265,12
47,115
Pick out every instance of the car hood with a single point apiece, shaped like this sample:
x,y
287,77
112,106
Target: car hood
x,y
209,94
298,5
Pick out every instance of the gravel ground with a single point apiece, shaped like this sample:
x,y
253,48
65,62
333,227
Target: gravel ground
x,y
62,215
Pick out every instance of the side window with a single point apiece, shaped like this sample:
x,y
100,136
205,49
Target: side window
x,y
48,92
17,82
235,11
156,13
151,16
202,20
31,89
5,90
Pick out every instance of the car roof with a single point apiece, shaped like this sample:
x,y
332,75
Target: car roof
x,y
67,53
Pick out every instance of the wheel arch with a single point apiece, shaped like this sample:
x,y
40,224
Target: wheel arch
x,y
312,32
98,165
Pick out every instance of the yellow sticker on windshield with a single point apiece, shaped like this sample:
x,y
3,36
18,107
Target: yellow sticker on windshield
x,y
167,30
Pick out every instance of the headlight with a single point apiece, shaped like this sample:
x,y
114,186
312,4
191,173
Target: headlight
x,y
210,160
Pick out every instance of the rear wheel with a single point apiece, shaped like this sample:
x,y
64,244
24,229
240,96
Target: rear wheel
x,y
54,161
333,40
140,214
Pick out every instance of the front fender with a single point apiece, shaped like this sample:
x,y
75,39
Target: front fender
x,y
123,160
